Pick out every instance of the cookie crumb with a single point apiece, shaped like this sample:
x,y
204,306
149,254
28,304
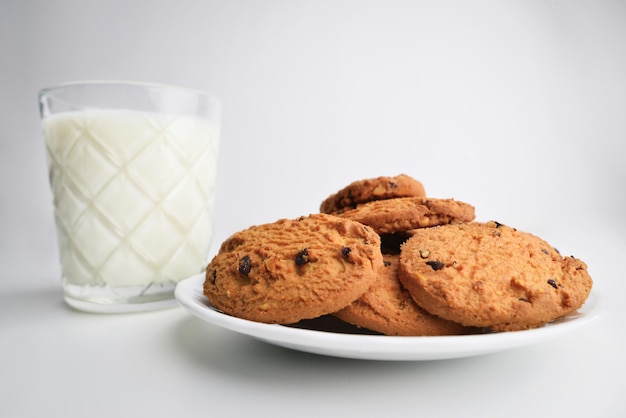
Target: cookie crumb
x,y
494,224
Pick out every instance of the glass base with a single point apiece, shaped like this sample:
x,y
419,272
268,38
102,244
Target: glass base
x,y
107,299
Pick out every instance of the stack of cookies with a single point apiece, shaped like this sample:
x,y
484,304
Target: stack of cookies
x,y
384,257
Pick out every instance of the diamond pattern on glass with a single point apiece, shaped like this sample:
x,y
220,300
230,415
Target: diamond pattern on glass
x,y
133,195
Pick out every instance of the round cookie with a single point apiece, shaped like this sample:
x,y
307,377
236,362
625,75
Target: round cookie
x,y
407,213
378,188
290,270
388,308
491,275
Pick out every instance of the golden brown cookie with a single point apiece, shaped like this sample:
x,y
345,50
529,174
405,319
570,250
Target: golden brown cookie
x,y
372,189
407,213
290,270
388,308
491,275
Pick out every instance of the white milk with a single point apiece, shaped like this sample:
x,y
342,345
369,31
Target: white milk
x,y
133,195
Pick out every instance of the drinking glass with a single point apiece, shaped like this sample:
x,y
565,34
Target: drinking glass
x,y
132,169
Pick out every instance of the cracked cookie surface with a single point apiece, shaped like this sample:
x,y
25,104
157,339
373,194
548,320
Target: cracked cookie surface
x,y
407,213
291,270
491,275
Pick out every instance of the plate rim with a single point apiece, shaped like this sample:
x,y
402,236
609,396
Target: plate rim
x,y
379,347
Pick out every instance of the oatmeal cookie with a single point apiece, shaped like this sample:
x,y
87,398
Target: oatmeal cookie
x,y
491,275
291,270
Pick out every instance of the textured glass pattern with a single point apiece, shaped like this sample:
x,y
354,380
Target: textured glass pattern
x,y
133,195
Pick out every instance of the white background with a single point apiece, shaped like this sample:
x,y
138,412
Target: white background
x,y
517,107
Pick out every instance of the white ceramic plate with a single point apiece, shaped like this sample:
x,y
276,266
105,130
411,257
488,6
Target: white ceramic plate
x,y
378,347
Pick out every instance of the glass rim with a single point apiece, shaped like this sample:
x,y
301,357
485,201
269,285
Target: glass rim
x,y
130,83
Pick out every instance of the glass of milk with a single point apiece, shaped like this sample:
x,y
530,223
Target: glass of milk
x,y
132,171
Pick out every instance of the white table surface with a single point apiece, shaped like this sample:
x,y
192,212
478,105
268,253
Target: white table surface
x,y
516,107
